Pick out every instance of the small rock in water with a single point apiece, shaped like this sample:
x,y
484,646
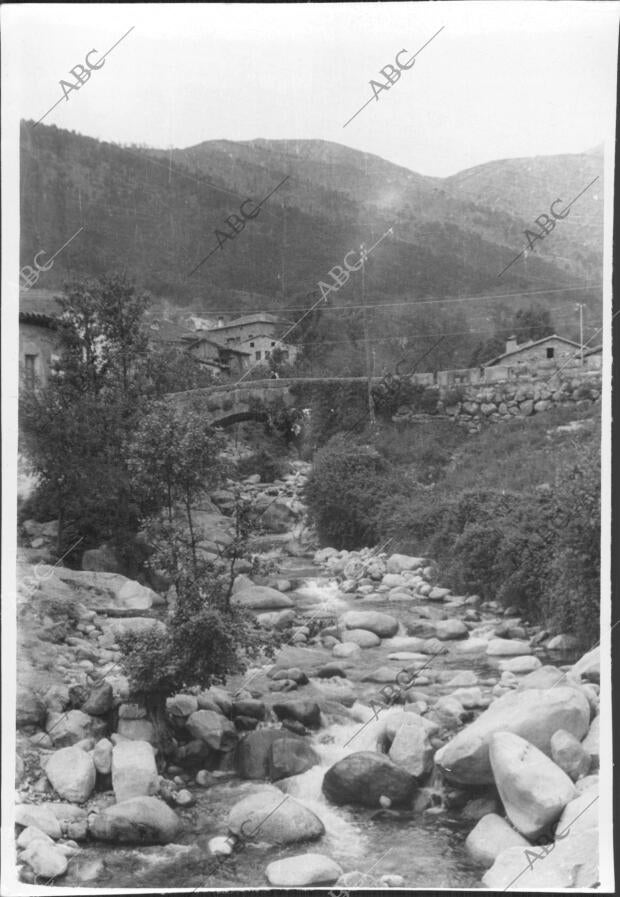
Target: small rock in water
x,y
392,881
385,802
184,798
300,871
221,845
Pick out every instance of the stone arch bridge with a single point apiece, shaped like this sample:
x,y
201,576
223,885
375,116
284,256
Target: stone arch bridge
x,y
232,403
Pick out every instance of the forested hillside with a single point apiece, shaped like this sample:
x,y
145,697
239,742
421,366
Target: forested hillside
x,y
154,213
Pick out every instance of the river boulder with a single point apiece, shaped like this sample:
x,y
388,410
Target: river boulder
x,y
569,754
45,859
490,837
579,814
589,666
365,777
261,598
533,789
66,729
534,714
411,748
362,637
520,665
383,625
290,757
140,820
39,816
72,774
214,729
499,647
253,752
274,818
572,863
591,743
451,629
398,563
303,711
134,773
302,871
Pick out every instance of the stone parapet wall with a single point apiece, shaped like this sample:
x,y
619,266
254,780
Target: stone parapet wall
x,y
470,404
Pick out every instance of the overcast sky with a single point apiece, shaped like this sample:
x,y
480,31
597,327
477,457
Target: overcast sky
x,y
500,80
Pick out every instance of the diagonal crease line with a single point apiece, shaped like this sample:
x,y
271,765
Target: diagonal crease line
x,y
64,96
375,95
556,835
565,209
259,205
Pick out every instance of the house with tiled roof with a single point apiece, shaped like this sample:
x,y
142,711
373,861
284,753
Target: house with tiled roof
x,y
38,340
550,349
257,335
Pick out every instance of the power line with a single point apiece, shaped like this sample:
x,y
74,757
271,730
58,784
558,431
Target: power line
x,y
412,303
417,334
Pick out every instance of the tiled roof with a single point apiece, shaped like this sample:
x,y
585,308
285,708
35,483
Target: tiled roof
x,y
259,317
38,306
529,345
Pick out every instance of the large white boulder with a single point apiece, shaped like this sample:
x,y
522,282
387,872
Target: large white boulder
x,y
140,820
534,714
492,835
397,563
102,592
45,859
68,728
520,665
72,774
39,816
572,863
362,637
302,871
261,598
451,629
411,748
500,647
579,814
134,773
383,625
274,818
533,789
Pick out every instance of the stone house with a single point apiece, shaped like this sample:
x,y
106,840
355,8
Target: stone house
x,y
548,351
256,335
38,341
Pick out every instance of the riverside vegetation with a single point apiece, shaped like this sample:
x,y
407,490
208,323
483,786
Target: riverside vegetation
x,y
212,678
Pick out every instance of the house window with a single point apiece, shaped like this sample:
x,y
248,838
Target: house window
x,y
251,345
273,344
258,356
267,353
550,352
29,368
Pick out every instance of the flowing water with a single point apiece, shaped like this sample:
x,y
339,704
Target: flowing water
x,y
426,848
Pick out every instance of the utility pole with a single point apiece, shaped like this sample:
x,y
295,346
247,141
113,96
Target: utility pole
x,y
580,307
371,404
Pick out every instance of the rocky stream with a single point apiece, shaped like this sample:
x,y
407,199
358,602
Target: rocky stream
x,y
402,736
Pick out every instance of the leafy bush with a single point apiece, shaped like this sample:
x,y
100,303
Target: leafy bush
x,y
347,482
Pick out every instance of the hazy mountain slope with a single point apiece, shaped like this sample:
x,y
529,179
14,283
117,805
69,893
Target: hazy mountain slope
x,y
154,213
